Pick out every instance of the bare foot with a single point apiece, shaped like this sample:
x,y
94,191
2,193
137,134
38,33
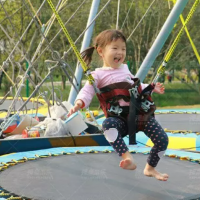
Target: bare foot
x,y
153,173
127,164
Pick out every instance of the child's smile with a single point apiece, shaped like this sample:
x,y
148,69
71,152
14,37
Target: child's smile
x,y
117,60
113,54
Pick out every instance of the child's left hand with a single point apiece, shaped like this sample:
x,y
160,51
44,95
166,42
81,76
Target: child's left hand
x,y
159,88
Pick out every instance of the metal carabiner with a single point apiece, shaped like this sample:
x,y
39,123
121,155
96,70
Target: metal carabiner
x,y
116,109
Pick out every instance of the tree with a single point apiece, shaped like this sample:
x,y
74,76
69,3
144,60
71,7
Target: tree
x,y
137,47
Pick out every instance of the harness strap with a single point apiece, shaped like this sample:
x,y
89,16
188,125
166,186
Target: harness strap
x,y
114,93
140,109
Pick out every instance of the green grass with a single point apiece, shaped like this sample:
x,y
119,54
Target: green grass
x,y
176,94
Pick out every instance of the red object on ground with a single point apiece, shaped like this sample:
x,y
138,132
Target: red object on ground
x,y
10,128
30,133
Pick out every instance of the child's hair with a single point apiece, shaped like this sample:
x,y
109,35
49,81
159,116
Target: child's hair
x,y
103,39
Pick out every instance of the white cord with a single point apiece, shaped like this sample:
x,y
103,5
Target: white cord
x,y
141,20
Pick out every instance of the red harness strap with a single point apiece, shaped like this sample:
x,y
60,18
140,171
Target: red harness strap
x,y
140,109
114,93
103,104
110,94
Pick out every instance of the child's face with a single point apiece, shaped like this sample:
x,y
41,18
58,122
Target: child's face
x,y
113,54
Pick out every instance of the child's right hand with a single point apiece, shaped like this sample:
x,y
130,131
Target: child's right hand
x,y
78,105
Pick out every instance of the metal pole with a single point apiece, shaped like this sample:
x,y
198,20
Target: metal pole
x,y
85,44
161,38
117,23
27,81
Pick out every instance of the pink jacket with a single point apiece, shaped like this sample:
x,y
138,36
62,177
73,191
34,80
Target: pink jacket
x,y
105,76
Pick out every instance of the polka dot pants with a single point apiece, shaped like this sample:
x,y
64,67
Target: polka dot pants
x,y
152,130
118,145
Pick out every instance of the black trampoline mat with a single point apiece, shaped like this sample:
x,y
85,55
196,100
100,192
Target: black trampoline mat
x,y
98,177
179,121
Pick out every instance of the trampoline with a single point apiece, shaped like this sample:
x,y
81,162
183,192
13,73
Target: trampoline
x,y
186,120
181,126
30,106
18,104
62,174
177,120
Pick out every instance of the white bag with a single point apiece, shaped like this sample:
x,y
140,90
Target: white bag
x,y
58,111
55,128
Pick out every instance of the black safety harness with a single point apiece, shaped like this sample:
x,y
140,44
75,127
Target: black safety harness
x,y
137,113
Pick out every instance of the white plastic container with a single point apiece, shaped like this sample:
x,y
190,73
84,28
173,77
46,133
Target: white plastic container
x,y
75,124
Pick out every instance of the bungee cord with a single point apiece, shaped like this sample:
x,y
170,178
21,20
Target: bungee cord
x,y
59,60
51,21
34,61
51,69
190,39
192,44
78,55
103,8
146,11
16,46
20,42
20,38
11,14
53,52
60,5
19,90
11,88
83,64
64,7
35,12
162,67
19,50
160,70
7,121
5,64
191,12
127,14
141,20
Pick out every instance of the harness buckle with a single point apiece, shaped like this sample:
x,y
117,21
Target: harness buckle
x,y
146,105
116,109
134,91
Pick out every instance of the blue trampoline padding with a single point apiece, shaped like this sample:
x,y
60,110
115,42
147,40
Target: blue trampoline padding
x,y
100,120
33,115
134,148
178,110
141,137
188,135
198,144
164,111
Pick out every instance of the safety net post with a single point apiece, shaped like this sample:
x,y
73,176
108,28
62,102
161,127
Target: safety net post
x,y
161,38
